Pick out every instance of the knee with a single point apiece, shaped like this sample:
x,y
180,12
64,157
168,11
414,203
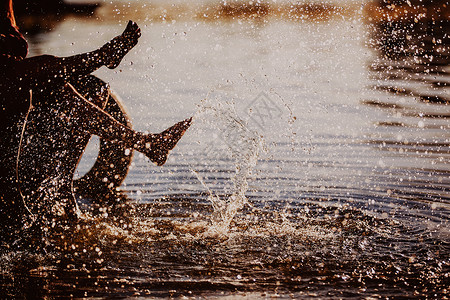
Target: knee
x,y
93,89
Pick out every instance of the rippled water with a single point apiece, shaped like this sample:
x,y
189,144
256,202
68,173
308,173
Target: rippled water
x,y
317,165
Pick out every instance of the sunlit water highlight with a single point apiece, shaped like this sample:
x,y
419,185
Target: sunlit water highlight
x,y
317,166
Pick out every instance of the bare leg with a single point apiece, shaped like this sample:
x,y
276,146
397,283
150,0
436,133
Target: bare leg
x,y
47,180
94,120
118,47
47,70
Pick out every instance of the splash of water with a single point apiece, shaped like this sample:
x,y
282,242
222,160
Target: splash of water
x,y
243,146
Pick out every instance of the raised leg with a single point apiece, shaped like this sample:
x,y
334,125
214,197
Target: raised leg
x,y
55,138
113,160
47,71
94,120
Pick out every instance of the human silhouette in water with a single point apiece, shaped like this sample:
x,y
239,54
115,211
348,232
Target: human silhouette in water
x,y
23,79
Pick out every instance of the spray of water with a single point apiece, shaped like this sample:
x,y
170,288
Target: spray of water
x,y
243,147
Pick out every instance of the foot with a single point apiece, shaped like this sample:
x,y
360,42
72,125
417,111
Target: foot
x,y
117,48
159,146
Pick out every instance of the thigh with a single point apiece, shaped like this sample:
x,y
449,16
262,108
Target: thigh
x,y
41,72
52,144
50,147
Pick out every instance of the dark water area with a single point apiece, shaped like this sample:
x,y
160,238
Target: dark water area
x,y
317,165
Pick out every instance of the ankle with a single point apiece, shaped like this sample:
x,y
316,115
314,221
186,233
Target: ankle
x,y
115,50
109,54
143,142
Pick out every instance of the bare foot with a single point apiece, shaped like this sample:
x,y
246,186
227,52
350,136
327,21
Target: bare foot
x,y
159,145
118,47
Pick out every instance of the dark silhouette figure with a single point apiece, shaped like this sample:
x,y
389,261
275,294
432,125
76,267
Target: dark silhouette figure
x,y
42,112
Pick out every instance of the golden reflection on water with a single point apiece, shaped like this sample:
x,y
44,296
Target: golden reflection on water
x,y
229,10
314,12
143,11
405,11
410,77
238,10
413,54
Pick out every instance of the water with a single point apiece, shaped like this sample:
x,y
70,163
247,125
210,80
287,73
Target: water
x,y
317,165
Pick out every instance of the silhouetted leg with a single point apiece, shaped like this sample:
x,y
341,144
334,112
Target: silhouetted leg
x,y
113,160
51,149
13,214
93,119
55,139
48,72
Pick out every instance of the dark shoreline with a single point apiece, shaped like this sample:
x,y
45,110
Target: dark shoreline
x,y
34,17
26,8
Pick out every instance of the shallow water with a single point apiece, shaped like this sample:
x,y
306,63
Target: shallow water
x,y
317,165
